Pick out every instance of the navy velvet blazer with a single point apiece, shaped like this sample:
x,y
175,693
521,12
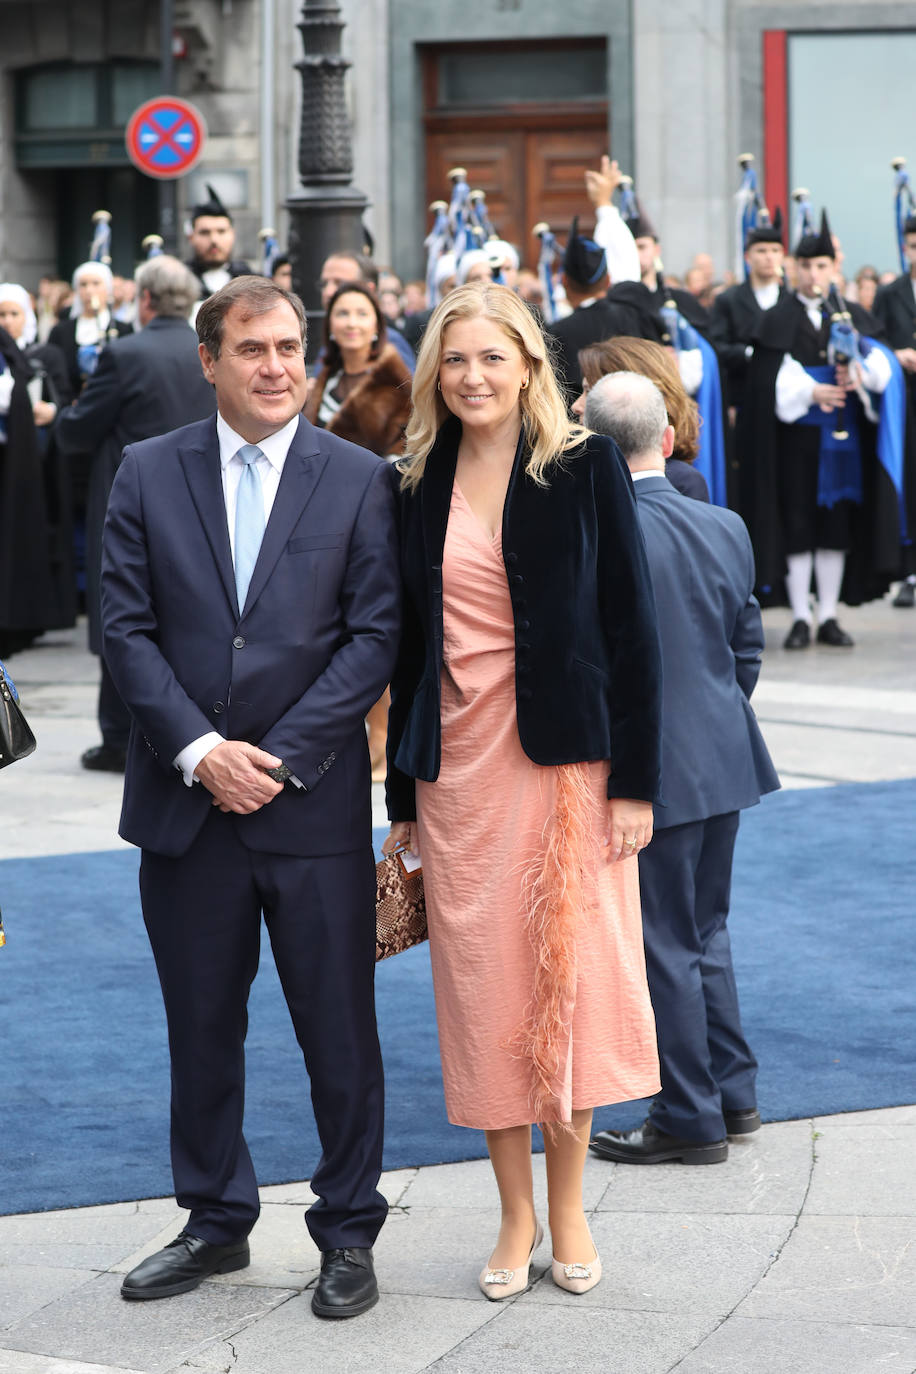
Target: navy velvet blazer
x,y
714,759
587,659
295,673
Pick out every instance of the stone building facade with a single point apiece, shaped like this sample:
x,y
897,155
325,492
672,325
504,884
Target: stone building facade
x,y
528,88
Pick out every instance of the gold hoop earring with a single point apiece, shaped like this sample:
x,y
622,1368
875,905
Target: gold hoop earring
x,y
525,383
438,386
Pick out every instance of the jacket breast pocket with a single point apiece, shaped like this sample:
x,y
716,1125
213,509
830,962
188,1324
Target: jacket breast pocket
x,y
308,543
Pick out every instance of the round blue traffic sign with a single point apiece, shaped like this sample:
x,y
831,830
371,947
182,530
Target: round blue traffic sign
x,y
165,136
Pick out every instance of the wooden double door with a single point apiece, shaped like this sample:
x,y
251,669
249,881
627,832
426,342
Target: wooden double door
x,y
529,173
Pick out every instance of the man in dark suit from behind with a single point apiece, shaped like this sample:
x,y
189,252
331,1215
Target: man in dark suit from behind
x,y
895,309
145,384
714,763
251,610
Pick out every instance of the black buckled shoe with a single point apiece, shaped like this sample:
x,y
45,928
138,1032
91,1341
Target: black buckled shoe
x,y
104,758
831,633
182,1265
906,596
346,1285
799,637
744,1121
648,1145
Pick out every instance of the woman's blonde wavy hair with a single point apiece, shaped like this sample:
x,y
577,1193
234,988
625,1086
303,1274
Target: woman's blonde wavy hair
x,y
548,430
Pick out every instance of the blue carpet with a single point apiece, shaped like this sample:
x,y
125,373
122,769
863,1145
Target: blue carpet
x,y
823,930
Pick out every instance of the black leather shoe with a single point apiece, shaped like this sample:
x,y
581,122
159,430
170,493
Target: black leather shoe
x,y
906,596
104,758
346,1285
831,633
799,637
182,1265
648,1145
742,1122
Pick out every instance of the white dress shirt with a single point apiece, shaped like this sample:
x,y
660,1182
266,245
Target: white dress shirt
x,y
269,468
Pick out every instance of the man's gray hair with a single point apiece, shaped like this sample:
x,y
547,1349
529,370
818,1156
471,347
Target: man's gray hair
x,y
630,409
173,288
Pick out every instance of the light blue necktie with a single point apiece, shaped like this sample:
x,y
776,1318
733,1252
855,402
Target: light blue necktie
x,y
249,520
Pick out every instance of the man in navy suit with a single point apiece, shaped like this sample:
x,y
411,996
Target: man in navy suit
x,y
250,603
714,763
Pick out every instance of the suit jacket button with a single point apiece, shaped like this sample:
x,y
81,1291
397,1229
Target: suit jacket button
x,y
238,642
219,707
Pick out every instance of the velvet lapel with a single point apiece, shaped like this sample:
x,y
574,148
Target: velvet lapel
x,y
436,492
305,462
204,477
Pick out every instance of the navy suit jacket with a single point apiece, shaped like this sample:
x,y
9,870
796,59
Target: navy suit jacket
x,y
294,673
714,759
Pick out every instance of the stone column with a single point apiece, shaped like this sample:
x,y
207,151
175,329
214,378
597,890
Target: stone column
x,y
326,212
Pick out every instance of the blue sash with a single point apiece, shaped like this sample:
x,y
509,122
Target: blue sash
x,y
839,473
711,457
891,425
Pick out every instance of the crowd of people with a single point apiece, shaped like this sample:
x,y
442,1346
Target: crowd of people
x,y
504,511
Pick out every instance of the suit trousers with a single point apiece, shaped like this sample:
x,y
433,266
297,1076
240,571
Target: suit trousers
x,y
706,1064
203,916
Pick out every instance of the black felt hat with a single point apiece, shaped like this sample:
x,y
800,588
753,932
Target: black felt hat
x,y
819,245
640,225
212,206
770,232
584,261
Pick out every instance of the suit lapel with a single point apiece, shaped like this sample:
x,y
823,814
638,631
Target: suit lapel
x,y
204,478
305,462
647,486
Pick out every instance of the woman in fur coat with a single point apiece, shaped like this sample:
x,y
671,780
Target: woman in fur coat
x,y
362,393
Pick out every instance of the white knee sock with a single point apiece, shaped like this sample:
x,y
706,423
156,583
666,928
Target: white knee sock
x,y
798,584
828,577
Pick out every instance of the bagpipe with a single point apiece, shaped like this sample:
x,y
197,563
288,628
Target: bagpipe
x,y
549,254
750,211
270,250
904,206
87,355
460,225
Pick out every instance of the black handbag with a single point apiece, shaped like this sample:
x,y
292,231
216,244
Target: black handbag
x,y
16,739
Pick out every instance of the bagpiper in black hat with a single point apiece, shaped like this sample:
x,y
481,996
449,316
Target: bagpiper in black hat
x,y
584,261
819,245
768,232
212,206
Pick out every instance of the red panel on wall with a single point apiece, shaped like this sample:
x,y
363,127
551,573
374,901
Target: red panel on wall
x,y
775,123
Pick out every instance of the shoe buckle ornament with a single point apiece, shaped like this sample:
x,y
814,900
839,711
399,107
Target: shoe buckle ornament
x,y
502,1276
577,1271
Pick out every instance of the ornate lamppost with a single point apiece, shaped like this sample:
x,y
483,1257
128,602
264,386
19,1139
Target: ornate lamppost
x,y
326,212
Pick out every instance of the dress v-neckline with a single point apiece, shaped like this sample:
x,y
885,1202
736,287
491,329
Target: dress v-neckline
x,y
492,539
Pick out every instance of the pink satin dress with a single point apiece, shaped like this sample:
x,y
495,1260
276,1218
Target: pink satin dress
x,y
535,939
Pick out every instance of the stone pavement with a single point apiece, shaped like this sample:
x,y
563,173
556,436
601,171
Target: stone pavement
x,y
797,1254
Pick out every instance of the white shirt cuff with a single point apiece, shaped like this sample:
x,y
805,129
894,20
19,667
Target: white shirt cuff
x,y
690,366
794,391
192,754
876,371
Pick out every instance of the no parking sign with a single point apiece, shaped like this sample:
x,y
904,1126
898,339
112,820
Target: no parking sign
x,y
165,136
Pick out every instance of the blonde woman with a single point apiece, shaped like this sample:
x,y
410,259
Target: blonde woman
x,y
523,760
